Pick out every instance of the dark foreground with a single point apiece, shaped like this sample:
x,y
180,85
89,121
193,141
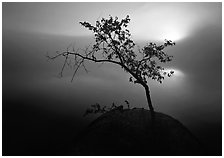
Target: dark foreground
x,y
130,132
31,131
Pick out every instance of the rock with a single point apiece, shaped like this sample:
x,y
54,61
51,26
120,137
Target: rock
x,y
129,132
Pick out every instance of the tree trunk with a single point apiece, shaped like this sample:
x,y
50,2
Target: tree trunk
x,y
148,98
150,107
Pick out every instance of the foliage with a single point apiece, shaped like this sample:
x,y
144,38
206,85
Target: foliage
x,y
113,40
97,108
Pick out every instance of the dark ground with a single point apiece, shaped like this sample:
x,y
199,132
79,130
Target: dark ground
x,y
29,130
130,132
32,131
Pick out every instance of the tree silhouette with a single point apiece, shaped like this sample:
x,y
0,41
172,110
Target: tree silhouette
x,y
113,44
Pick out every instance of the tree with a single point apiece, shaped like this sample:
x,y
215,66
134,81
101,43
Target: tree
x,y
113,44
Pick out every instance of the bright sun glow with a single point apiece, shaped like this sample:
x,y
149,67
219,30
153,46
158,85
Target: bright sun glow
x,y
177,73
163,22
173,35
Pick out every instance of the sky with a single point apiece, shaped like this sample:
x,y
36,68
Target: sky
x,y
33,92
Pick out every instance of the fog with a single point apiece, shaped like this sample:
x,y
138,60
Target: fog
x,y
40,108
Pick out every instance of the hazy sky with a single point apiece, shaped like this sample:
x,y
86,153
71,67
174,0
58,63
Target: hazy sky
x,y
192,95
154,21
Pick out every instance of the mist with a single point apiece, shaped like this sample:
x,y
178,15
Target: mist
x,y
40,108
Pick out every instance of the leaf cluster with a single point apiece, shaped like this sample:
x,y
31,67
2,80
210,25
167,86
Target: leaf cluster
x,y
98,109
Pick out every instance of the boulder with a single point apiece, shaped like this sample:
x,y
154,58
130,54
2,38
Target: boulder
x,y
130,132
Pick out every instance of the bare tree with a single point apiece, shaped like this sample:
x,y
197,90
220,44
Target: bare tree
x,y
113,44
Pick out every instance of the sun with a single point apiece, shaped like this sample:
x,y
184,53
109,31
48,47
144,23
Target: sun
x,y
170,34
